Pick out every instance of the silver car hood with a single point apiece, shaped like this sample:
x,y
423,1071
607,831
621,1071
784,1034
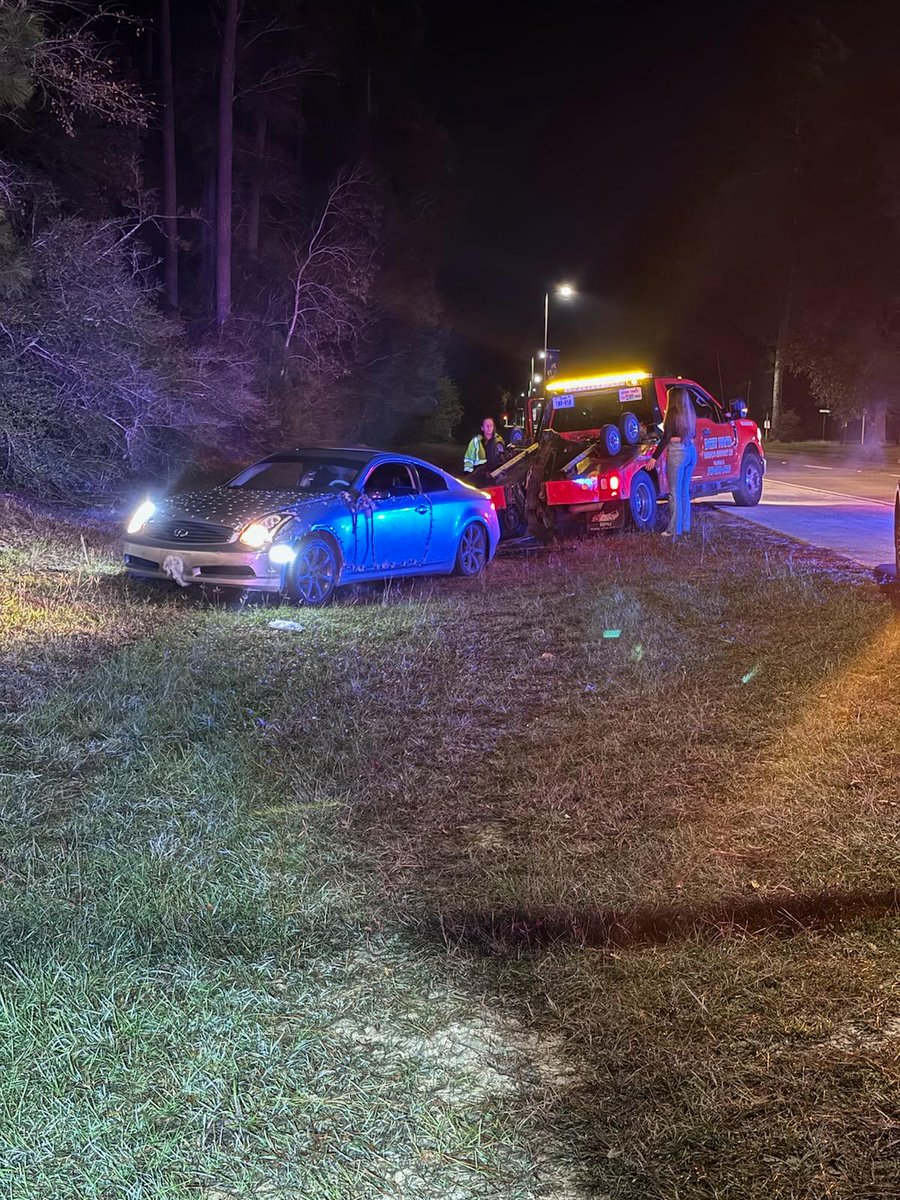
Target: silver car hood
x,y
235,507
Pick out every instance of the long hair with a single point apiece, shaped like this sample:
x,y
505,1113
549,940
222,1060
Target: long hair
x,y
681,421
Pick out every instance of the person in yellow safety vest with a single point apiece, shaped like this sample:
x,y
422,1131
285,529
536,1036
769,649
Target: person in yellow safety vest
x,y
484,448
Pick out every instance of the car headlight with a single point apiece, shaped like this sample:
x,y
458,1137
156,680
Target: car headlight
x,y
141,516
260,533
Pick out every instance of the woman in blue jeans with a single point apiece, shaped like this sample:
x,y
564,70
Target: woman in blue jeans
x,y
679,431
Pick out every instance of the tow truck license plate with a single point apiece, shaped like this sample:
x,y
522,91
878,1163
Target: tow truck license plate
x,y
603,520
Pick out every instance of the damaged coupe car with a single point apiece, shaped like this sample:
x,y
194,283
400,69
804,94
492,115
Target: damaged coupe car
x,y
303,522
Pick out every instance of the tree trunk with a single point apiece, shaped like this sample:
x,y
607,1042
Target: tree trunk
x,y
226,156
170,190
256,182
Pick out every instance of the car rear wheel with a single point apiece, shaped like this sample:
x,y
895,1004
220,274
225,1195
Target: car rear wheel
x,y
471,556
642,503
749,489
314,574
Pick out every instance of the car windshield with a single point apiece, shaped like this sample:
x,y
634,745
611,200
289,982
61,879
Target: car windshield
x,y
592,410
300,473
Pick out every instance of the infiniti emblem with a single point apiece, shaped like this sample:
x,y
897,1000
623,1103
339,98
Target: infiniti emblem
x,y
181,532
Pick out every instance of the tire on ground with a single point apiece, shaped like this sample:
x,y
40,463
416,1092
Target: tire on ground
x,y
472,551
750,482
642,505
630,428
513,522
313,576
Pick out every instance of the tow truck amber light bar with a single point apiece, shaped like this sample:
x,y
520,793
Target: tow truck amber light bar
x,y
589,383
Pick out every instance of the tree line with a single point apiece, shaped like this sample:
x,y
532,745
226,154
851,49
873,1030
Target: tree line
x,y
783,250
219,230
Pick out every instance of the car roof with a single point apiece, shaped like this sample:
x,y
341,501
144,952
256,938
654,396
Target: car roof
x,y
361,454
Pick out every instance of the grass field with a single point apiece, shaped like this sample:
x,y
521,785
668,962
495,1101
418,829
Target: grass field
x,y
574,881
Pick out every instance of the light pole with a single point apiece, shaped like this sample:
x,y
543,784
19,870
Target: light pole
x,y
565,291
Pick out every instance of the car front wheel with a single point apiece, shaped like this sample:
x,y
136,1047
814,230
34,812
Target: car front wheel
x,y
314,574
471,556
749,489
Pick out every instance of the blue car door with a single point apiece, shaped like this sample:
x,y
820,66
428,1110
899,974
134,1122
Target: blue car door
x,y
445,510
401,518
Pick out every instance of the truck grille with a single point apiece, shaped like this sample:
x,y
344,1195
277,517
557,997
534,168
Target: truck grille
x,y
187,533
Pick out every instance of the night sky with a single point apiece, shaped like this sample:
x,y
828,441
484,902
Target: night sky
x,y
584,134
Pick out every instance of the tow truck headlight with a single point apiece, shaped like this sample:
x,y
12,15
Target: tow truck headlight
x,y
258,533
141,516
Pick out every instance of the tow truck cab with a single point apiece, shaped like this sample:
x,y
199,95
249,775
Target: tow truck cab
x,y
591,463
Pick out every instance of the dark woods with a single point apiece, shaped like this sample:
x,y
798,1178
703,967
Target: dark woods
x,y
219,231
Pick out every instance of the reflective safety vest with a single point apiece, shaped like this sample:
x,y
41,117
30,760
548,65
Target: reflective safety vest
x,y
475,454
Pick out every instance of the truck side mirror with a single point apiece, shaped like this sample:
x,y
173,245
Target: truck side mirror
x,y
738,409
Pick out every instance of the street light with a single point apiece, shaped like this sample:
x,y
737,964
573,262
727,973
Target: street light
x,y
565,291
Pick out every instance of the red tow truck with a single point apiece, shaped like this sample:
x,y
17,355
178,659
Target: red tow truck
x,y
590,466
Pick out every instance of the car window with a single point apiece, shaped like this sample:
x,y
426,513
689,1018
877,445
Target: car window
x,y
431,481
391,479
298,473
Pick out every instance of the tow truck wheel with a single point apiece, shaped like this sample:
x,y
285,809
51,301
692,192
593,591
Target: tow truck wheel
x,y
471,555
749,489
612,440
642,503
513,522
630,428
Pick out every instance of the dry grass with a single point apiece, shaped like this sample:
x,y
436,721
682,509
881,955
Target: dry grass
x,y
64,603
451,895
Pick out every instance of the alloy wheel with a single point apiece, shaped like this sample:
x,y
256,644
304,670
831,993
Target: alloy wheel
x,y
472,550
314,574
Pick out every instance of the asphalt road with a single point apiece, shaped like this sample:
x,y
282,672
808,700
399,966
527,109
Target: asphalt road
x,y
841,502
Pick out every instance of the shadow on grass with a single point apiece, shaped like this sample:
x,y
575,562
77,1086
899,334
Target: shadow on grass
x,y
516,931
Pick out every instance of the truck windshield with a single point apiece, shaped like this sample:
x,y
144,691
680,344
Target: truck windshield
x,y
577,411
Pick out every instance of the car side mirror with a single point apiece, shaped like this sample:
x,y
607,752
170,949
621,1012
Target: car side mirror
x,y
738,410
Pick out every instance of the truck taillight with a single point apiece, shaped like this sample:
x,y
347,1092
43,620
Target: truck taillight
x,y
613,483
